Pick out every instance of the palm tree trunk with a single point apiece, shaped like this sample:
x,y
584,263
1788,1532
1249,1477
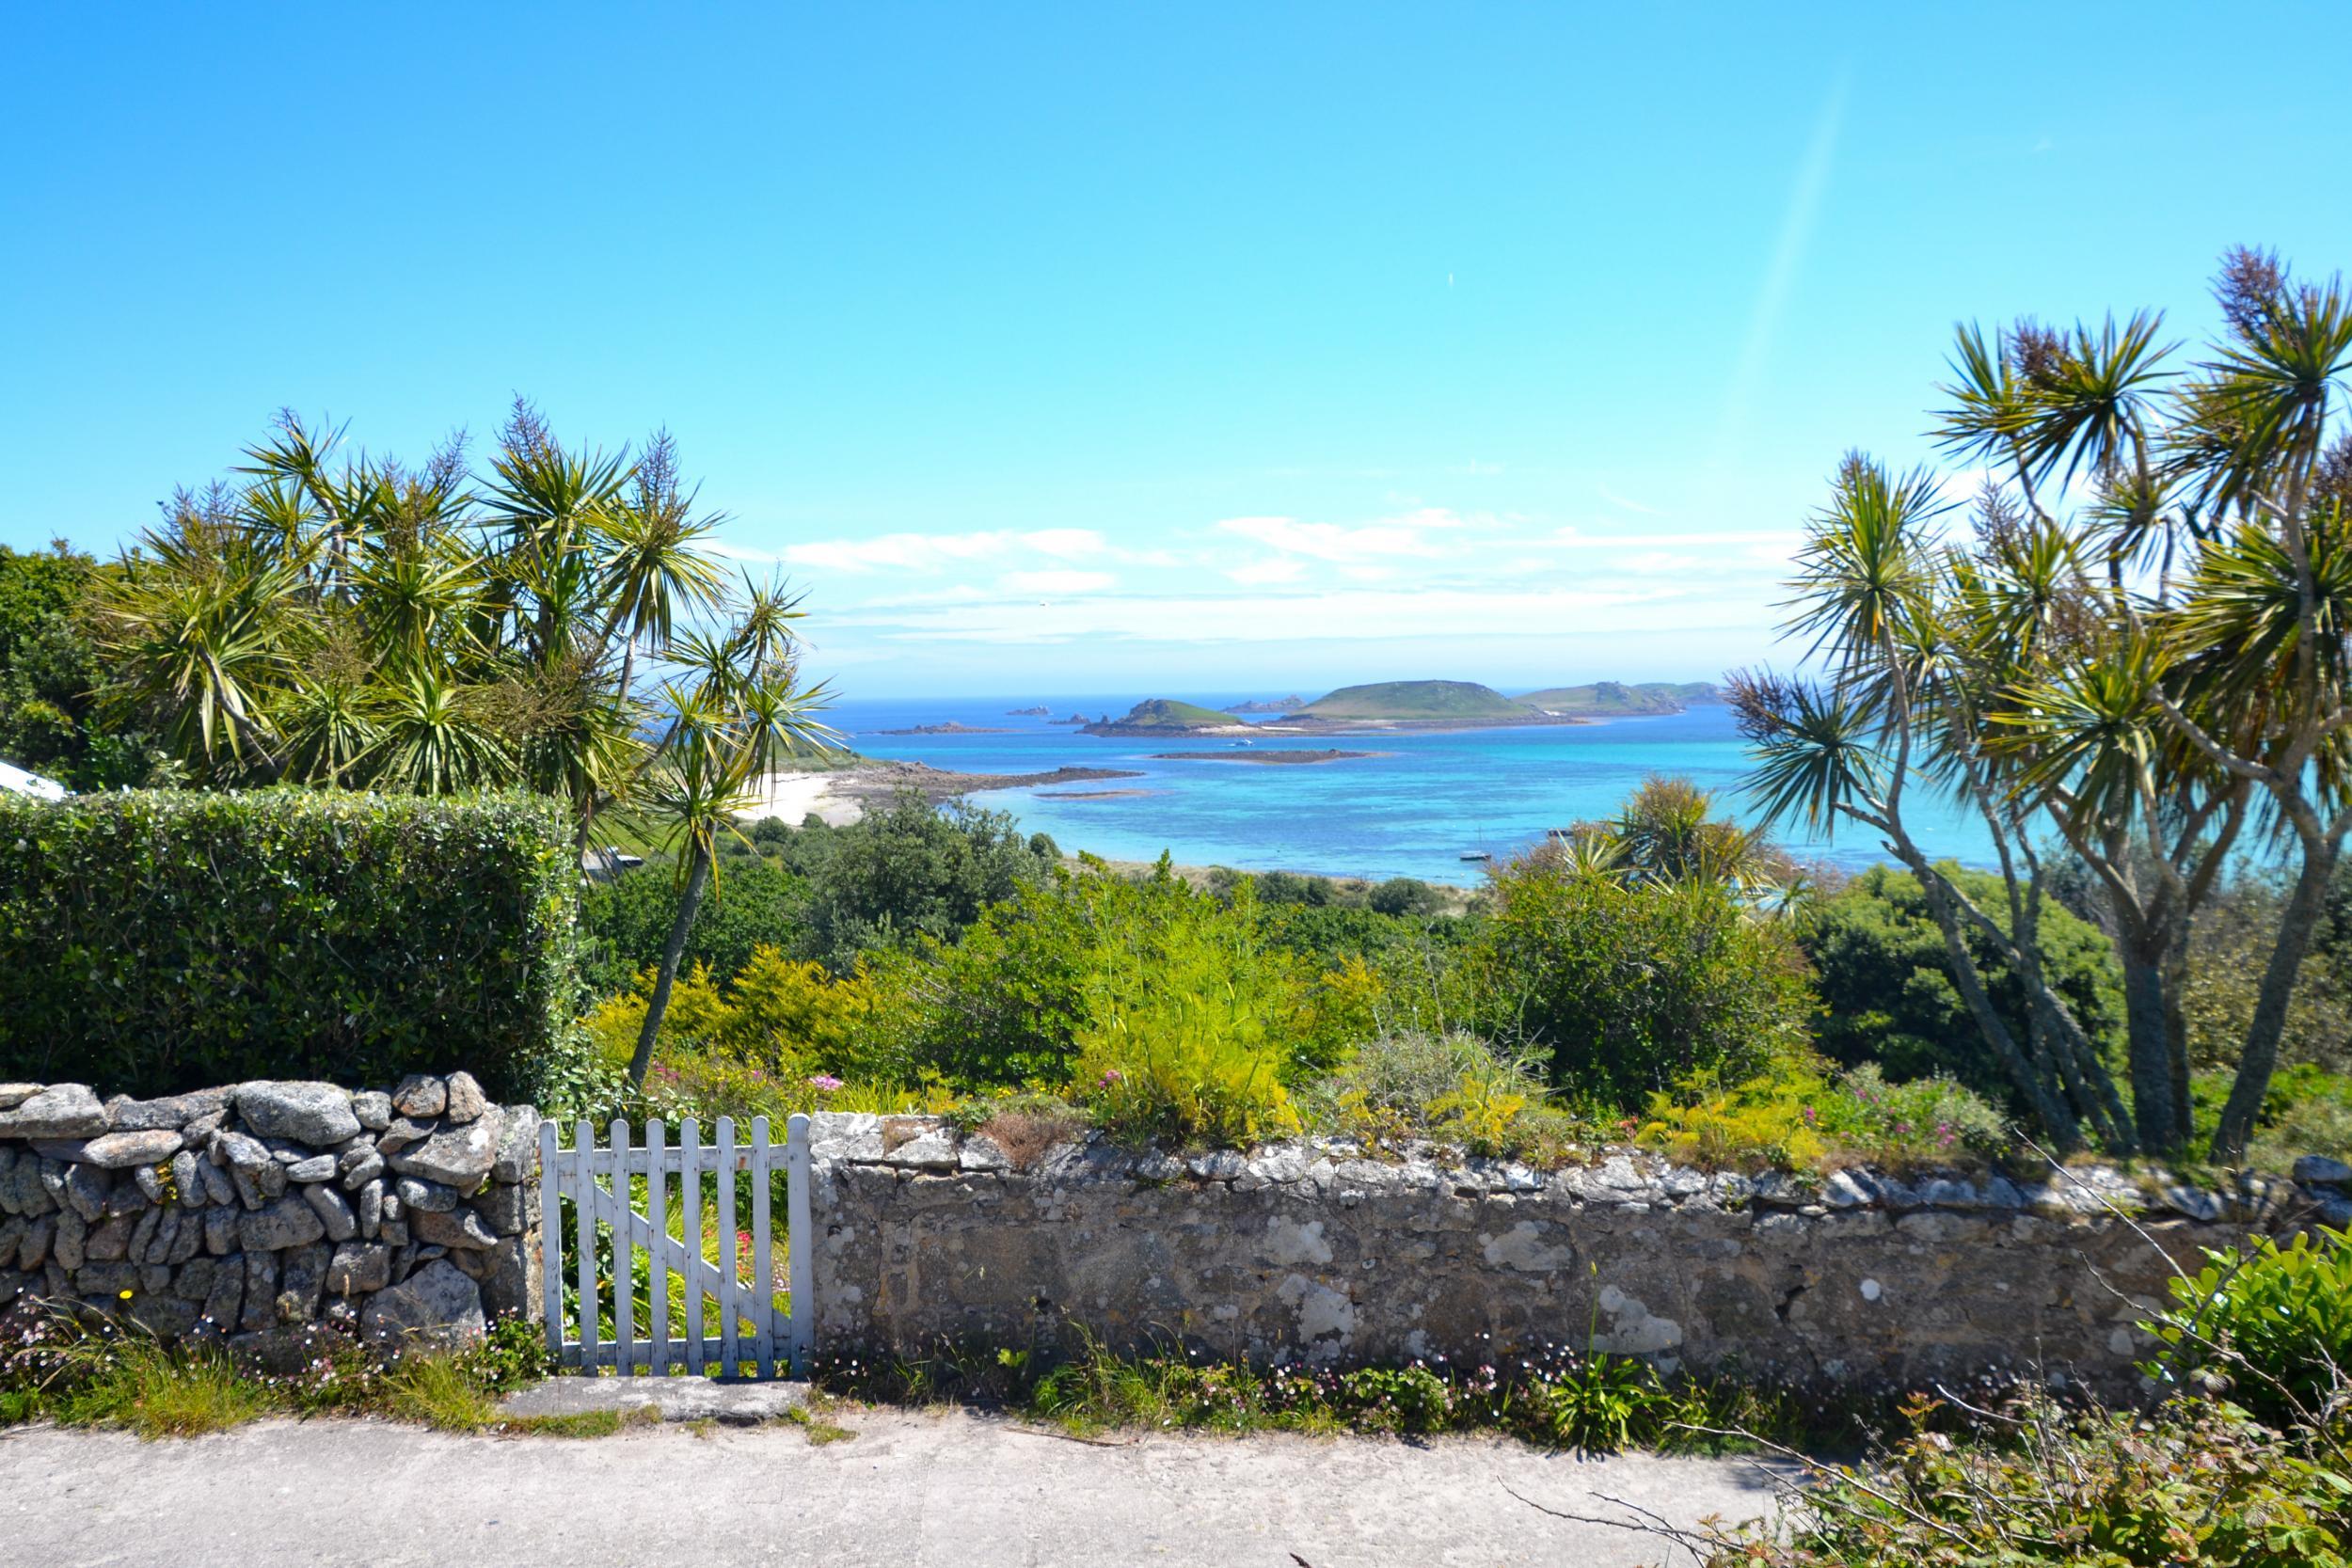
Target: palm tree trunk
x,y
697,879
2298,923
2149,1017
2176,1035
2056,1118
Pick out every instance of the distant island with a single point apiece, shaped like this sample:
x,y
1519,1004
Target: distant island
x,y
950,727
1268,759
1395,701
1615,699
1167,716
1073,718
1408,706
1037,712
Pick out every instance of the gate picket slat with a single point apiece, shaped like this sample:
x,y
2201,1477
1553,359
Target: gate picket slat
x,y
729,1261
658,1209
583,1206
764,1297
751,1338
801,1238
623,1257
690,1190
552,1241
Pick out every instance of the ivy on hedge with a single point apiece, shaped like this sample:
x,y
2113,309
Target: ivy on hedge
x,y
154,941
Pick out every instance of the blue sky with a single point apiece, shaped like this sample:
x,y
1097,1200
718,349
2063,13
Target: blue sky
x,y
1105,347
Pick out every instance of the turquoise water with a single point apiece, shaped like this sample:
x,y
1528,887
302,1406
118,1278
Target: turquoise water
x,y
1410,811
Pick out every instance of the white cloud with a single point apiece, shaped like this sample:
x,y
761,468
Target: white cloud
x,y
1273,569
1614,500
1405,535
1654,604
927,552
1065,544
1576,539
917,552
1058,582
1660,564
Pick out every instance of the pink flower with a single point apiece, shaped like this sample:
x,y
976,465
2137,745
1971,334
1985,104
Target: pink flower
x,y
823,1082
1110,1075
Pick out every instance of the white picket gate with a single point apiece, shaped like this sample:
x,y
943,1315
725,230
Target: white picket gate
x,y
753,1337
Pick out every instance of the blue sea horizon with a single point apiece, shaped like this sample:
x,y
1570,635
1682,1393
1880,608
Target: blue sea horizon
x,y
1411,810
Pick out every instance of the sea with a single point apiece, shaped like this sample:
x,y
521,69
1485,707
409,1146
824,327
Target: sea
x,y
1414,809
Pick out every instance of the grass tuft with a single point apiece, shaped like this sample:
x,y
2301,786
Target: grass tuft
x,y
815,1419
583,1423
439,1392
160,1392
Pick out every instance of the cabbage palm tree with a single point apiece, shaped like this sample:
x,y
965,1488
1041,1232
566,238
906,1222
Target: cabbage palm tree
x,y
1898,711
725,734
2145,651
200,632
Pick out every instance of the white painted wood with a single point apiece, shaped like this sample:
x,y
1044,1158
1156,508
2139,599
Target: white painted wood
x,y
753,1339
763,1288
584,1196
800,1239
624,1255
730,1261
641,1233
552,1241
657,1269
689,1153
600,1159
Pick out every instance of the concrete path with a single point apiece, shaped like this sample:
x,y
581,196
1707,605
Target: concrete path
x,y
910,1490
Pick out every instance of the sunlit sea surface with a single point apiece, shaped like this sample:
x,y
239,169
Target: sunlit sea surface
x,y
1412,811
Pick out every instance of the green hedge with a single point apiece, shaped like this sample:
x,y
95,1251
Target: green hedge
x,y
152,942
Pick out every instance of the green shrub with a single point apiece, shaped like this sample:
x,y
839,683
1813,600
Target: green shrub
x,y
1327,934
49,666
152,942
2306,1110
1188,1023
2273,1324
1452,1086
906,873
2195,1485
1887,995
1799,1116
1404,895
1631,988
1007,1003
627,921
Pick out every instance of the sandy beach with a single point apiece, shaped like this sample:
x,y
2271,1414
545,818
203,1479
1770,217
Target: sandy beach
x,y
840,796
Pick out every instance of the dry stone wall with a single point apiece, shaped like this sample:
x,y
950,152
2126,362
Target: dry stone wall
x,y
1306,1253
257,1213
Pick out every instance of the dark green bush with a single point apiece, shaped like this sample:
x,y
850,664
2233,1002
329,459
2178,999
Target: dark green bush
x,y
1632,988
906,872
1887,996
626,920
155,941
48,668
1404,895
